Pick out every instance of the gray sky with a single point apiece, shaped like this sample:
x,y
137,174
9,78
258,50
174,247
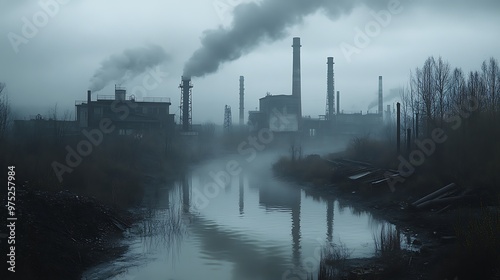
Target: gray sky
x,y
56,61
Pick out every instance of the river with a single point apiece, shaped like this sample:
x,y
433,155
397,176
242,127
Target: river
x,y
252,226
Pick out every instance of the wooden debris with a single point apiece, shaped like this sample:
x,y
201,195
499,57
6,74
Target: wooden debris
x,y
435,194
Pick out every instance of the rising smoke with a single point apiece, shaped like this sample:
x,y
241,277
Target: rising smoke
x,y
393,94
254,23
132,62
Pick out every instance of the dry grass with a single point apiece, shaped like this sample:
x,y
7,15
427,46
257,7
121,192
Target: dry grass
x,y
333,262
478,245
388,242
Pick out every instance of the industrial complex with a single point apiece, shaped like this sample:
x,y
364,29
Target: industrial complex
x,y
281,114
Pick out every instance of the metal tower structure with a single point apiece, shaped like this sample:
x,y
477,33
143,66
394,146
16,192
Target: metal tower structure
x,y
228,120
330,90
186,103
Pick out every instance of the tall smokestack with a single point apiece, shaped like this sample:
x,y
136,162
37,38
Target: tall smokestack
x,y
338,102
330,88
186,103
398,127
296,75
89,108
242,100
380,97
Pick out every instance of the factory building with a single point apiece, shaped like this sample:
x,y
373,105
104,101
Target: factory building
x,y
129,116
283,113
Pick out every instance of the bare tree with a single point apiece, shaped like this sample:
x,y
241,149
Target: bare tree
x,y
457,91
476,90
491,77
424,85
442,86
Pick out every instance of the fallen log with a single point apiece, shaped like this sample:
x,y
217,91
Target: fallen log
x,y
354,162
447,200
360,175
385,179
435,194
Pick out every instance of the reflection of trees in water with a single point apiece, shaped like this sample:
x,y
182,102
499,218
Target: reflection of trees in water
x,y
355,210
163,229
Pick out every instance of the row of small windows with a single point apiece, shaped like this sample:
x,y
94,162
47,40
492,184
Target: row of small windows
x,y
139,110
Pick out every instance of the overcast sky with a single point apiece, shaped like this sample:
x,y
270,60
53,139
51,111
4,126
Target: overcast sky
x,y
54,64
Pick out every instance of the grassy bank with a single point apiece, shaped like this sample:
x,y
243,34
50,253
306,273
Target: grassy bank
x,y
60,234
463,234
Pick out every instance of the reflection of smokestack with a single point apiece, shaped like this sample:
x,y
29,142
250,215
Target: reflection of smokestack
x,y
296,75
330,88
185,194
338,102
380,97
89,109
329,220
241,195
242,99
186,103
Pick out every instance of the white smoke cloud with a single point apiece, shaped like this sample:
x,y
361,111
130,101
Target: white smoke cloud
x,y
132,62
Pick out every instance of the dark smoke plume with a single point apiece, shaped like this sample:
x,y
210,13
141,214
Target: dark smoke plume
x,y
127,65
254,23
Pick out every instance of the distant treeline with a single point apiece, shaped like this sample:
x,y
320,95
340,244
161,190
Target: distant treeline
x,y
440,94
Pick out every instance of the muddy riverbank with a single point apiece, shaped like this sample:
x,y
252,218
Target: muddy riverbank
x,y
59,235
446,241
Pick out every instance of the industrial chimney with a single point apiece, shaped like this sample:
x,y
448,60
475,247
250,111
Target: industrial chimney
x,y
296,87
380,97
338,102
186,103
120,93
89,108
330,89
242,100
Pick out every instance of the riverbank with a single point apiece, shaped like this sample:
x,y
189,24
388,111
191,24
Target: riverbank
x,y
59,235
62,229
450,241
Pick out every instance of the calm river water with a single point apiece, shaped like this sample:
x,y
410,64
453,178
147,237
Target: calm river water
x,y
253,227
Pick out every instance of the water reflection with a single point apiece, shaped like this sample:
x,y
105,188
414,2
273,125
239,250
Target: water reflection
x,y
329,221
250,259
284,198
258,232
241,195
186,192
162,230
